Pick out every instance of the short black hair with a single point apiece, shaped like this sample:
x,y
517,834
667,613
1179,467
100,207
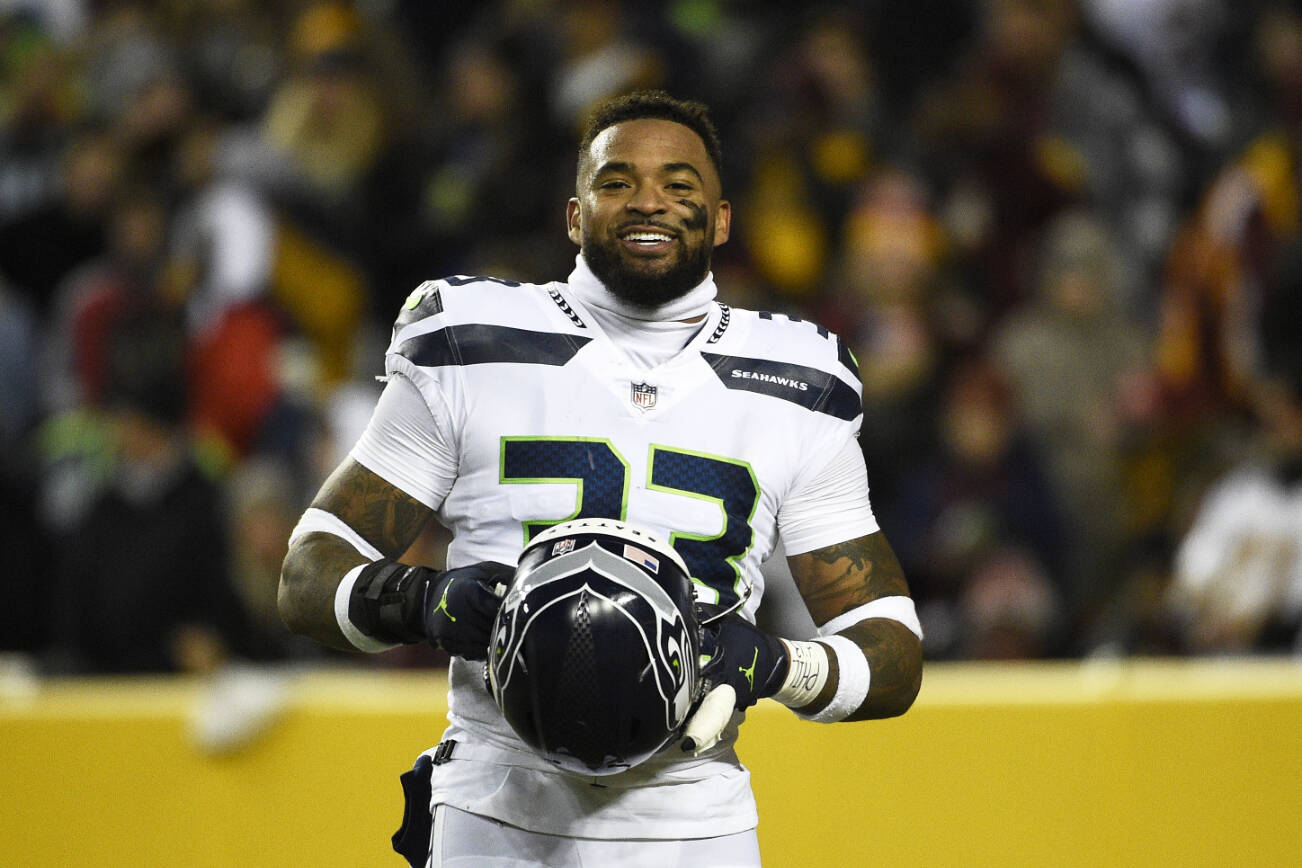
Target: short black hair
x,y
653,105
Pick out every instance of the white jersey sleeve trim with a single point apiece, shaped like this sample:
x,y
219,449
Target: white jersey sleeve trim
x,y
833,507
404,444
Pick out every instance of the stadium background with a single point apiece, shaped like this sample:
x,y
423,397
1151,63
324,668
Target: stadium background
x,y
1061,237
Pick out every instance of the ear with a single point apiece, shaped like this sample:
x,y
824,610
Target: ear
x,y
722,222
574,221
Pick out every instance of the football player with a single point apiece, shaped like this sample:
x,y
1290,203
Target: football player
x,y
627,392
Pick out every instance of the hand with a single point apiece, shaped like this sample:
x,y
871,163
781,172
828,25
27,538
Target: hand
x,y
744,665
460,605
744,657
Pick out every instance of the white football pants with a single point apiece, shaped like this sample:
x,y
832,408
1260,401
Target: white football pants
x,y
464,840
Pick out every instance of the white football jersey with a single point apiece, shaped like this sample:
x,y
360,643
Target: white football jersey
x,y
550,421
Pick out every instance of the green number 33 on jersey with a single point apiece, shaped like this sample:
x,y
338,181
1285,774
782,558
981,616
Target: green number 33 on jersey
x,y
601,475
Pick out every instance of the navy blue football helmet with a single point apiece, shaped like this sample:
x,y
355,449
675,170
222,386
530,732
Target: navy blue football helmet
x,y
595,651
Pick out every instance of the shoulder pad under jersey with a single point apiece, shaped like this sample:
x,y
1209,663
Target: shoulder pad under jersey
x,y
792,359
429,298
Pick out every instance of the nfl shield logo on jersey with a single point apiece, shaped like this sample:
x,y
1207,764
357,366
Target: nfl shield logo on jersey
x,y
644,396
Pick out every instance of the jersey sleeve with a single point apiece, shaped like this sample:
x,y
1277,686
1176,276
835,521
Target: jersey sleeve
x,y
832,507
823,497
406,443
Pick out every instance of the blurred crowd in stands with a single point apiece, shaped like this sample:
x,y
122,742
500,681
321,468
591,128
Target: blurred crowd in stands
x,y
1064,240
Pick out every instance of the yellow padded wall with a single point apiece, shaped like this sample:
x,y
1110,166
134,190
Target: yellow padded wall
x,y
1142,763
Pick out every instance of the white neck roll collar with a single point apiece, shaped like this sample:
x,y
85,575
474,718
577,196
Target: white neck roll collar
x,y
593,293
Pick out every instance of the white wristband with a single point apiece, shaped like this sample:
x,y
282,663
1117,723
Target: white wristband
x,y
356,638
807,675
853,680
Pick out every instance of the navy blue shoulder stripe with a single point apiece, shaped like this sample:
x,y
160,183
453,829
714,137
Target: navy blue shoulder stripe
x,y
811,388
481,344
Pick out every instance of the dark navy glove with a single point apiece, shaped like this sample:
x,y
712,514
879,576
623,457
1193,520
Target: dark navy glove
x,y
740,654
460,605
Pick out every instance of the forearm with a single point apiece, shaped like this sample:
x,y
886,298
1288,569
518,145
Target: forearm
x,y
356,518
857,593
870,670
894,657
309,579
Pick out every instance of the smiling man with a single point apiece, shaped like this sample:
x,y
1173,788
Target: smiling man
x,y
624,409
650,208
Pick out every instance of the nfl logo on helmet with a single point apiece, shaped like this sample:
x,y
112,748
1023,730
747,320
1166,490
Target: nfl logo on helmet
x,y
644,396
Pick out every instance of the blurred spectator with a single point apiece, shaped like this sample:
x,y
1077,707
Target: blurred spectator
x,y
55,234
1068,354
1222,258
327,116
37,103
24,617
1080,191
978,528
1237,584
24,557
1179,49
1040,117
812,136
485,205
262,504
18,368
122,56
142,577
343,153
221,262
599,57
896,308
95,297
232,58
224,233
1010,610
988,137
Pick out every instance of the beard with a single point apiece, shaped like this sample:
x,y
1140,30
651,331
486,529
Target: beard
x,y
644,288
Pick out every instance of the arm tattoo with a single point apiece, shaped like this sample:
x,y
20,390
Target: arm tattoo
x,y
841,577
386,517
895,660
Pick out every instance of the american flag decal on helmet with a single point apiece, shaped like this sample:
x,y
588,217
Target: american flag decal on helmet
x,y
637,556
643,396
